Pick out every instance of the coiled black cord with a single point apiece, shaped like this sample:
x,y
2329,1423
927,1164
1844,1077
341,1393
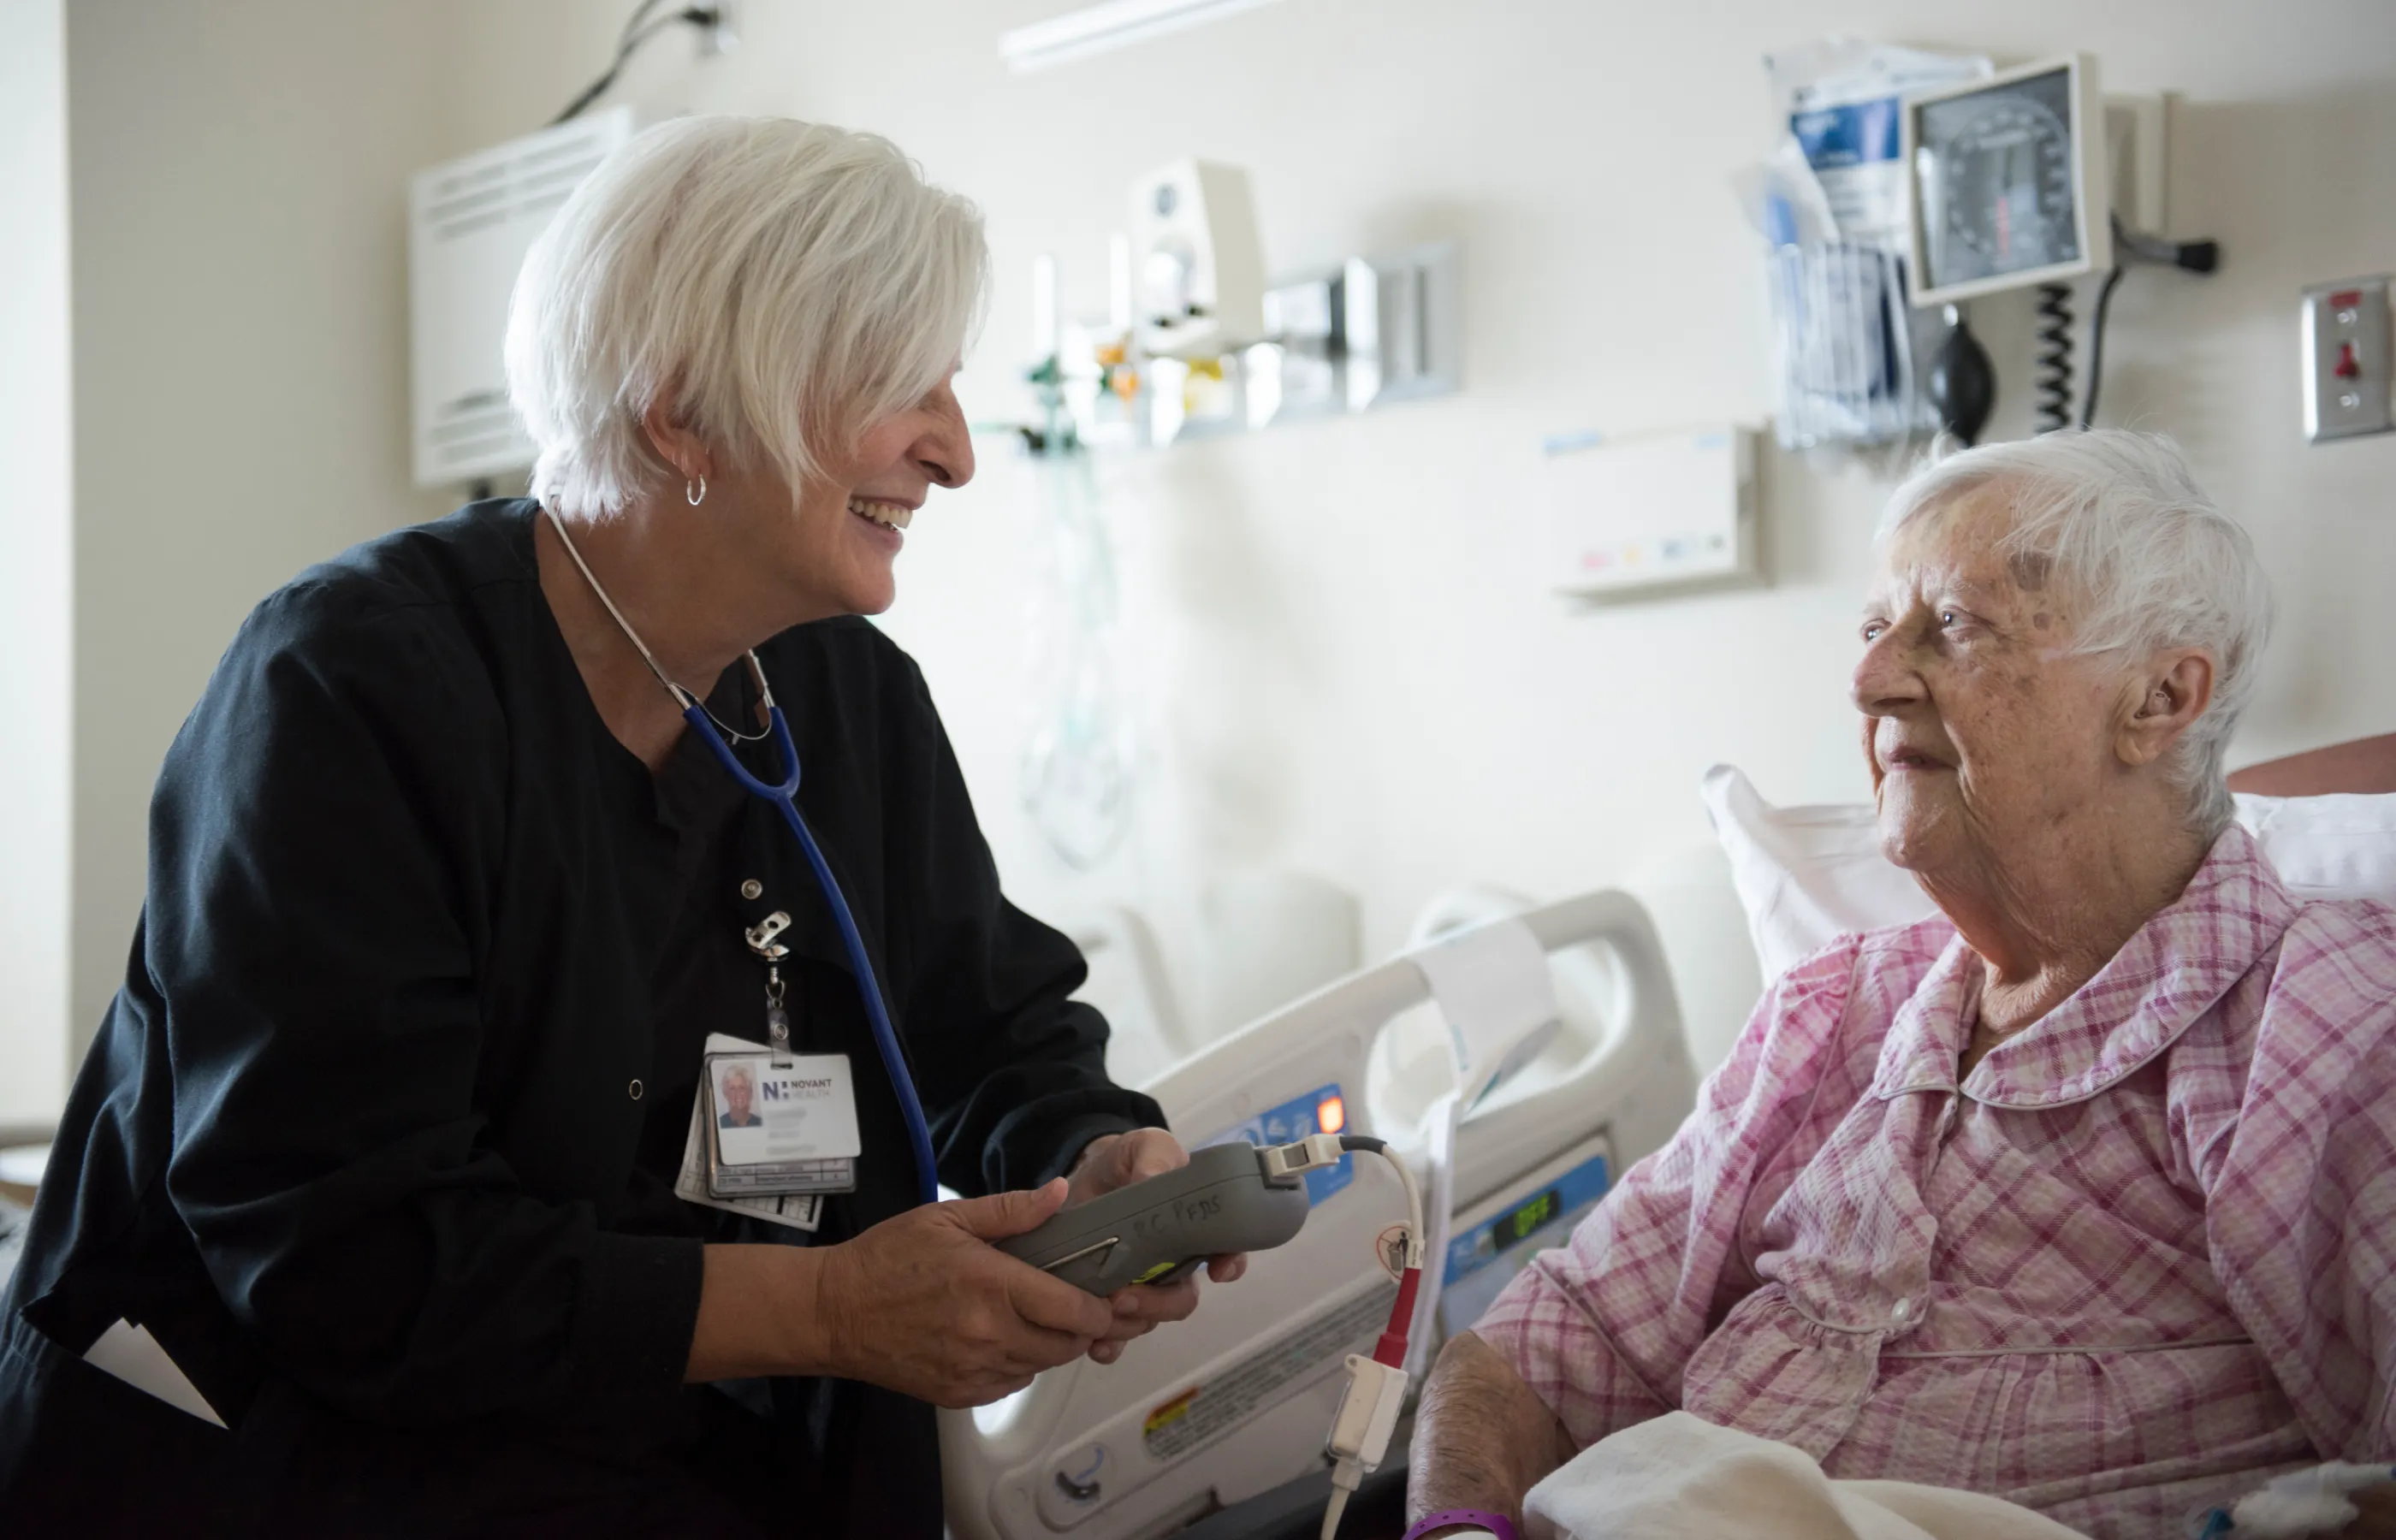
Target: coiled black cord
x,y
2054,383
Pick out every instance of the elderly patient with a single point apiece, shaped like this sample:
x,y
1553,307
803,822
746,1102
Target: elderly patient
x,y
2084,1194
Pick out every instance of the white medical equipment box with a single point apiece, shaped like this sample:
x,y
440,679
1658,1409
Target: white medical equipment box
x,y
1199,263
470,222
1639,516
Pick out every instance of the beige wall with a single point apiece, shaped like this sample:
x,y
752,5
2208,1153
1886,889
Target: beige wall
x,y
1344,659
36,621
238,176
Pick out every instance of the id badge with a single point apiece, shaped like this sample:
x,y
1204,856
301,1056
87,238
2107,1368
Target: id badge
x,y
779,1124
798,1210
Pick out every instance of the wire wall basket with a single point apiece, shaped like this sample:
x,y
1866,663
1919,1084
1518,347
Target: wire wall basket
x,y
1845,367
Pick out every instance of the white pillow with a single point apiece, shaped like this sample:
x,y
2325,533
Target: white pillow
x,y
2327,847
1806,875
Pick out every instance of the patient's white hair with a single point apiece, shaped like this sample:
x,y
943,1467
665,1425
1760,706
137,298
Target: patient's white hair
x,y
2152,560
790,283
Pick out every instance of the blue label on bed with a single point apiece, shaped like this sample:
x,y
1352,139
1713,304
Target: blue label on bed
x,y
1481,1261
1321,1111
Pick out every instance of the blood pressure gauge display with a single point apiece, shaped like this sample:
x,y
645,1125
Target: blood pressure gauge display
x,y
2006,188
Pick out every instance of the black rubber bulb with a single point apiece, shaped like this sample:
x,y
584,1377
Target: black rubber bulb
x,y
1963,384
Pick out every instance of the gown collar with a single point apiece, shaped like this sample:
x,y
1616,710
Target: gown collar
x,y
2181,961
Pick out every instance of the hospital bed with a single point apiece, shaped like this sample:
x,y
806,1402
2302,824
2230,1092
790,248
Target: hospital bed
x,y
1517,1063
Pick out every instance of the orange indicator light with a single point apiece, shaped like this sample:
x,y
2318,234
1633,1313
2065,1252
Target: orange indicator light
x,y
1332,1115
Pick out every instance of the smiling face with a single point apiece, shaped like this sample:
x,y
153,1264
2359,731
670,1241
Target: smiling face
x,y
1987,737
836,541
738,1094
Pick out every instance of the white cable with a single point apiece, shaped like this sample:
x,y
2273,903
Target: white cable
x,y
1414,1206
1331,1514
1318,1150
1377,1391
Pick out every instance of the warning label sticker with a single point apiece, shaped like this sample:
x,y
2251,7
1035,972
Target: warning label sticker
x,y
1197,1416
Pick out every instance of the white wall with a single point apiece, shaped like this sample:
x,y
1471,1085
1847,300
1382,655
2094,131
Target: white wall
x,y
36,623
1347,662
239,361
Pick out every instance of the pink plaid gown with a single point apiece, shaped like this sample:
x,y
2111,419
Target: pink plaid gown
x,y
2138,1261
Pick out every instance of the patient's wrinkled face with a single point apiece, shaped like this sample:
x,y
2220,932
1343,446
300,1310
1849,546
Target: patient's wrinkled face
x,y
1985,733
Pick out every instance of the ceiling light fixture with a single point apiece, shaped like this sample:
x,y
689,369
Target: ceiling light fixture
x,y
1097,29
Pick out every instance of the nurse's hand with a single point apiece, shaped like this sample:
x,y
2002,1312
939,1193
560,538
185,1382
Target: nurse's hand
x,y
924,1304
1117,1161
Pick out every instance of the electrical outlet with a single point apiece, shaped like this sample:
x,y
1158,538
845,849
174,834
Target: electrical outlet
x,y
2346,359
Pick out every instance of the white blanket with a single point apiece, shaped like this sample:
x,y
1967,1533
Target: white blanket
x,y
1680,1477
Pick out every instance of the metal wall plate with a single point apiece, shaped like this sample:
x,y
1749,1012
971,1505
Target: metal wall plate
x,y
2345,356
1382,329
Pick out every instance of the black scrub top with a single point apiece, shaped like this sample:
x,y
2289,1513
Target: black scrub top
x,y
378,1137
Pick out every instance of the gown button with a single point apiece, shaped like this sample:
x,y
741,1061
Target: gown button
x,y
752,888
633,1090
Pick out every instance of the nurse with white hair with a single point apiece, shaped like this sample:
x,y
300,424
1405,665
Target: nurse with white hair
x,y
2077,1194
396,1140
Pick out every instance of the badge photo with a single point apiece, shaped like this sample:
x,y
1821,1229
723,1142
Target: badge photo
x,y
780,1123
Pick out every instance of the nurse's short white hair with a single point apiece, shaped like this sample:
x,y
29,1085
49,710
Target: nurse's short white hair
x,y
790,283
2149,559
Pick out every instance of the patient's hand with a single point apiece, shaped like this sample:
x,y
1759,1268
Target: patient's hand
x,y
1483,1438
2378,1518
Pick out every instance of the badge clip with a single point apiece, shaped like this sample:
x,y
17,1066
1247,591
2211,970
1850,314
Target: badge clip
x,y
762,938
761,935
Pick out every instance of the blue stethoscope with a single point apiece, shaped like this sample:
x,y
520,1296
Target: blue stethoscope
x,y
783,798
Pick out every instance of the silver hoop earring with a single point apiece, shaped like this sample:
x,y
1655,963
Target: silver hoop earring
x,y
695,491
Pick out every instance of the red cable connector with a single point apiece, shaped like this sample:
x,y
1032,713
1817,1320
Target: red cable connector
x,y
1391,1352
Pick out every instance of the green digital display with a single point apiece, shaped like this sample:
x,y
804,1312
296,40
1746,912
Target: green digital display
x,y
1508,1227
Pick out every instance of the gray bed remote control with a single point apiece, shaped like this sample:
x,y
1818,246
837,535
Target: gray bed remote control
x,y
1157,1231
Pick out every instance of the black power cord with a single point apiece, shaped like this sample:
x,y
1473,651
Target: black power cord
x,y
2096,344
634,36
2135,247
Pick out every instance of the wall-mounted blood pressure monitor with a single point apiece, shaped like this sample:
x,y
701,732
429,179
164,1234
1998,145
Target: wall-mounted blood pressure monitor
x,y
2007,178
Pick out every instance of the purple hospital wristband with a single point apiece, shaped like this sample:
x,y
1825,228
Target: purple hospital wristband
x,y
1496,1523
